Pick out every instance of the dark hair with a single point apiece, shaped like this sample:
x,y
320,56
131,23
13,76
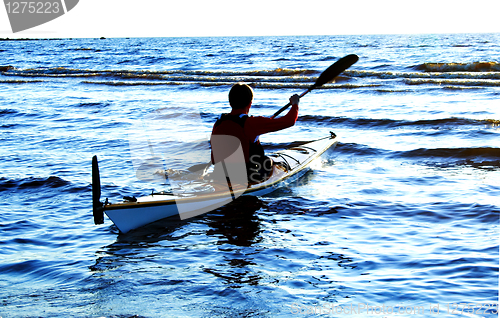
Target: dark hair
x,y
240,96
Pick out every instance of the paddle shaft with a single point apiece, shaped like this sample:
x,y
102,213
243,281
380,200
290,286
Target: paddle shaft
x,y
327,76
289,104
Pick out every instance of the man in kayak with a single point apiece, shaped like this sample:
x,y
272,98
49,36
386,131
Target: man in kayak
x,y
247,130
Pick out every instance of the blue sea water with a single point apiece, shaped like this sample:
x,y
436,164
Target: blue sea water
x,y
401,219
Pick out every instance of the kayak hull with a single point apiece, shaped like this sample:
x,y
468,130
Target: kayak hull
x,y
290,165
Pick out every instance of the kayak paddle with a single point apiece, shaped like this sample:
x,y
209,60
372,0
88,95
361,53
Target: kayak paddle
x,y
327,76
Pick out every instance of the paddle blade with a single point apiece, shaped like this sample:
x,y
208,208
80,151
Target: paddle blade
x,y
335,69
96,193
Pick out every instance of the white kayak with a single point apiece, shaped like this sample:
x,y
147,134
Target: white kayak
x,y
196,197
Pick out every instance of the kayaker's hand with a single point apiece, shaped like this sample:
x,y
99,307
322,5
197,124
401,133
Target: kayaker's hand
x,y
294,100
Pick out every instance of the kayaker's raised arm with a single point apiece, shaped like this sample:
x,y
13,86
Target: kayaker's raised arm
x,y
262,125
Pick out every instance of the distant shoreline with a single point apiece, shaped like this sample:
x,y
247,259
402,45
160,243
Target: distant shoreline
x,y
246,36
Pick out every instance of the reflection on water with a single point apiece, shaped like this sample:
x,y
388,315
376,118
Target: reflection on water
x,y
236,223
229,251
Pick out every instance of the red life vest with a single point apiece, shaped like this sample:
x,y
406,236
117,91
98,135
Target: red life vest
x,y
253,152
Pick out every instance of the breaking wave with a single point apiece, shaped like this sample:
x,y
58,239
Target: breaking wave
x,y
453,82
70,72
366,123
446,75
456,153
460,67
480,157
409,75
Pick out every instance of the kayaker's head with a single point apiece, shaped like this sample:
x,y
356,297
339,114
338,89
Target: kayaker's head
x,y
240,97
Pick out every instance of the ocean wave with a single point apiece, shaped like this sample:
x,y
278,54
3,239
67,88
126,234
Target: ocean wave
x,y
81,49
422,75
490,155
454,82
36,270
98,105
32,183
456,153
8,111
19,81
277,78
357,122
359,150
6,68
9,126
461,88
68,72
269,85
367,123
460,67
329,58
484,158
